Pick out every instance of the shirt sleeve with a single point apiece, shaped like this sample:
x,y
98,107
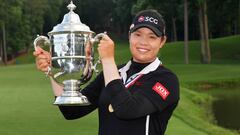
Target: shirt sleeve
x,y
162,90
127,105
155,94
92,92
75,112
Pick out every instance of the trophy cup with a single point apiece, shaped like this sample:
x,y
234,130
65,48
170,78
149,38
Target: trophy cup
x,y
71,65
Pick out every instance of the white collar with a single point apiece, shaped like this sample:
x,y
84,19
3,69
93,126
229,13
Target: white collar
x,y
151,67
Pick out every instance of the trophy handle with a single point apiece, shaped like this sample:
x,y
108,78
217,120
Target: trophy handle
x,y
94,40
97,38
42,41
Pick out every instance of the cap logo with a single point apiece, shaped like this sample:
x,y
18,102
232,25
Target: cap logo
x,y
141,19
151,19
148,19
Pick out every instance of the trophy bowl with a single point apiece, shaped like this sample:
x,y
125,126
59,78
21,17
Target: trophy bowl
x,y
72,61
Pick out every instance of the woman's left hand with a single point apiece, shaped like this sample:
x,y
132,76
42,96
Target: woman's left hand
x,y
106,48
106,54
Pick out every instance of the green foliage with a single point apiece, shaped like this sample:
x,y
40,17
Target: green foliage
x,y
140,5
24,19
52,15
224,21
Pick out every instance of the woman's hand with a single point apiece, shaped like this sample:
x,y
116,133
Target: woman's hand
x,y
106,53
106,48
43,59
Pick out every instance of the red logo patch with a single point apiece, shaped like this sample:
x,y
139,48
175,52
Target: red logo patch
x,y
141,19
161,90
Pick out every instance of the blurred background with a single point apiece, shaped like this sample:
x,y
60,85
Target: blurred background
x,y
203,49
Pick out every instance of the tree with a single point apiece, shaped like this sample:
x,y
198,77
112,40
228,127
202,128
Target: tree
x,y
33,19
3,52
52,15
12,20
238,19
122,16
22,19
2,37
226,21
186,32
203,23
171,11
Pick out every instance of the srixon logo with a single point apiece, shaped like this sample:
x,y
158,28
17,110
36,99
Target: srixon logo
x,y
147,19
161,90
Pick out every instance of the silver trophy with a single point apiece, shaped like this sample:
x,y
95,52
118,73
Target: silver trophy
x,y
72,61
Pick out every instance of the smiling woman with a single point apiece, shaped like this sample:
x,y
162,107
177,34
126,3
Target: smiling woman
x,y
137,98
145,45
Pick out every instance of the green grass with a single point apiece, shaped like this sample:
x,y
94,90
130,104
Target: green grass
x,y
26,102
224,51
26,97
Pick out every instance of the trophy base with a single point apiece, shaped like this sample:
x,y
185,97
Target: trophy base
x,y
71,101
71,97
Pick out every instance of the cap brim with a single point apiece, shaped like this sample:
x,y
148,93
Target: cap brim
x,y
155,30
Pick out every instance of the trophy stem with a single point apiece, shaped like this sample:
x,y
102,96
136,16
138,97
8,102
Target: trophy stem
x,y
71,95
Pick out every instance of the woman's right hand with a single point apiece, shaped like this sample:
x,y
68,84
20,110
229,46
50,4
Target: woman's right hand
x,y
43,59
43,62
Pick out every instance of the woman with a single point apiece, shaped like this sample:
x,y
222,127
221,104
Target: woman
x,y
137,98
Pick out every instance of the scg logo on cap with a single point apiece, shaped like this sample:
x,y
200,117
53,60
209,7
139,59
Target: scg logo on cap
x,y
147,19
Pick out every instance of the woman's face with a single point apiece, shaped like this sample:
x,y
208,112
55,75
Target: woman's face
x,y
144,45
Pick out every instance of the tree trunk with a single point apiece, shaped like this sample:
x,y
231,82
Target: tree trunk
x,y
238,22
174,29
203,25
4,44
1,52
206,33
186,32
203,54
